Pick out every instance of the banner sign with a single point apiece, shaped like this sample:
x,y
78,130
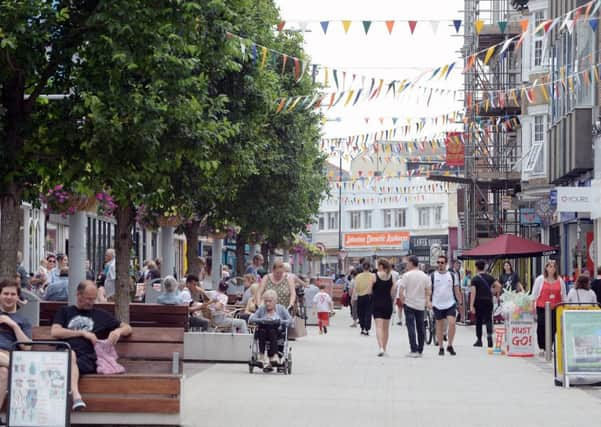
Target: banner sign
x,y
455,149
520,336
394,238
582,341
574,199
528,216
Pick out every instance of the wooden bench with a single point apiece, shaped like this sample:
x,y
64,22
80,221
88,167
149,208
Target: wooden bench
x,y
140,315
149,393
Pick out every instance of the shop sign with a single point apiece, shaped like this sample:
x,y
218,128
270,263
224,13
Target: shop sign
x,y
574,199
582,341
378,239
426,242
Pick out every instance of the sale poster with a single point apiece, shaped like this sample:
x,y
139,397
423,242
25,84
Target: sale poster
x,y
520,336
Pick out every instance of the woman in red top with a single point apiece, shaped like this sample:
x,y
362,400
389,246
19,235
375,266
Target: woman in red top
x,y
547,288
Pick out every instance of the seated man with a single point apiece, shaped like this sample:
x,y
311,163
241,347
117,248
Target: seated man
x,y
188,296
13,328
59,289
170,294
81,325
217,306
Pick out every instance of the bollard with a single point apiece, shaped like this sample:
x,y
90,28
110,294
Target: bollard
x,y
548,338
175,363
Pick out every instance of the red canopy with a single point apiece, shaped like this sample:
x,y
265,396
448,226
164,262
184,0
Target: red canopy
x,y
508,246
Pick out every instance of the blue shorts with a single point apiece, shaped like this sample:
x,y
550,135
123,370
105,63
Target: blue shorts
x,y
444,313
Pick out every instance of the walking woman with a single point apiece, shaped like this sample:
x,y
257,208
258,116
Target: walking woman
x,y
547,288
363,285
383,291
282,283
509,279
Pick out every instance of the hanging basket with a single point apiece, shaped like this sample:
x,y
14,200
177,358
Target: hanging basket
x,y
85,203
169,221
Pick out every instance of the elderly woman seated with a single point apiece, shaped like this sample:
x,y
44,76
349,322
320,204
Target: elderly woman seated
x,y
217,301
170,294
269,311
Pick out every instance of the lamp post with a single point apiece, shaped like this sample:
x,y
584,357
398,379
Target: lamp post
x,y
340,260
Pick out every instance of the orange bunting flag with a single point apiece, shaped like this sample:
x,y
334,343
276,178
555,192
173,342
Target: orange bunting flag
x,y
471,60
479,24
346,25
596,72
524,25
281,105
281,25
297,68
284,60
390,26
332,100
587,81
412,25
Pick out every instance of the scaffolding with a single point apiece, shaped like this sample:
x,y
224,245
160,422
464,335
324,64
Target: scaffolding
x,y
491,148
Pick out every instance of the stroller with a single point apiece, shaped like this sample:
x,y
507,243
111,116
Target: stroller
x,y
283,352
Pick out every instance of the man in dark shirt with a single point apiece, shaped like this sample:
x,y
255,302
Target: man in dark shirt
x,y
481,303
596,284
81,325
13,328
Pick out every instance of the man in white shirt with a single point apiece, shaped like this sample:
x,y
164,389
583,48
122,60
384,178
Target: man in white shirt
x,y
444,300
414,292
110,273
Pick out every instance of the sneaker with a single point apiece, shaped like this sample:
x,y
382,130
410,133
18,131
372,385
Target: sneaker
x,y
320,331
413,355
399,323
325,330
441,351
354,325
79,404
381,352
267,368
489,342
451,350
478,343
366,333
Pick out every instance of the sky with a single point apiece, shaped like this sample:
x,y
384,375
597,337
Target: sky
x,y
381,55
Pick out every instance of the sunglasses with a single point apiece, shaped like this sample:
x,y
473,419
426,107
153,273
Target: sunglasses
x,y
51,260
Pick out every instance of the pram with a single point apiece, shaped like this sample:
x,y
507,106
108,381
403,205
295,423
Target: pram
x,y
283,352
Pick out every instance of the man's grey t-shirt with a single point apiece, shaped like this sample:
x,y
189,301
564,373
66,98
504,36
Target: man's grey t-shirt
x,y
7,335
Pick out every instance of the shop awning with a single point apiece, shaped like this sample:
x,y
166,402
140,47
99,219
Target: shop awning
x,y
508,246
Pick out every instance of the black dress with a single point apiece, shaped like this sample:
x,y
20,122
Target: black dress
x,y
381,298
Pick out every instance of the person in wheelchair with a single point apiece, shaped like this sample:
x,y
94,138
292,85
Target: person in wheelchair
x,y
271,320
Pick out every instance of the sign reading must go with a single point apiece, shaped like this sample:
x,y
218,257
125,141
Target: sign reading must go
x,y
394,238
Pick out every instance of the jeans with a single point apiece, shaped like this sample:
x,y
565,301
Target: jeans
x,y
540,327
364,311
199,322
415,321
483,316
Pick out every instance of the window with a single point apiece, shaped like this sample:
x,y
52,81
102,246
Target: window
x,y
387,213
400,218
536,156
321,223
438,215
424,217
538,39
366,219
355,220
333,220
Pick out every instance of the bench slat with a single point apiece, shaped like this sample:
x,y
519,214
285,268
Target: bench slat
x,y
146,335
125,404
130,384
148,351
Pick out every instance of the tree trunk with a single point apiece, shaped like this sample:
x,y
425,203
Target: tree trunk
x,y
10,211
240,254
192,230
125,216
10,191
265,253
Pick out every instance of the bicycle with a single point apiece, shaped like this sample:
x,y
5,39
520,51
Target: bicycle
x,y
430,326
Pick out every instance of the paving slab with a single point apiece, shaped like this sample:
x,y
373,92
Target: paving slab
x,y
337,380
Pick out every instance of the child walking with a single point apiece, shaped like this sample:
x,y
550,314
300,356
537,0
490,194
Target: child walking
x,y
324,304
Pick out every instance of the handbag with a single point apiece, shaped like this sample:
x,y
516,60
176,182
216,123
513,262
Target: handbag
x,y
106,358
345,299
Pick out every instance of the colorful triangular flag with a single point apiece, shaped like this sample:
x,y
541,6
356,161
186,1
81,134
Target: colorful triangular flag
x,y
594,23
366,25
281,25
524,24
389,26
412,25
346,25
457,24
478,25
502,26
434,25
324,26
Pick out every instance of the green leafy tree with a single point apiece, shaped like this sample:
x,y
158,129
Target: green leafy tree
x,y
38,40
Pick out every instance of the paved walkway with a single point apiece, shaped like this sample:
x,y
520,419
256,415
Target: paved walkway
x,y
337,380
